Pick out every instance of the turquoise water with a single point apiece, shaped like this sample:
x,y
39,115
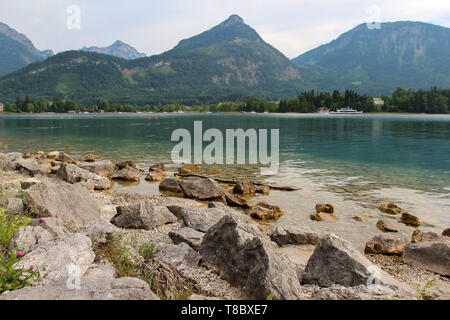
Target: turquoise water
x,y
411,151
353,162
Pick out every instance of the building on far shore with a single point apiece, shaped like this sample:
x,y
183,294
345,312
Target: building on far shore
x,y
1,107
323,110
378,102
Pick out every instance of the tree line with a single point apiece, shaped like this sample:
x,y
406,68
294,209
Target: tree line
x,y
433,101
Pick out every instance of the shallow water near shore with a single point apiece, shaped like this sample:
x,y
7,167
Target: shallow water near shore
x,y
353,162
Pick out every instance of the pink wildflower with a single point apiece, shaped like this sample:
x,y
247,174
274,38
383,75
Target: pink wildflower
x,y
20,254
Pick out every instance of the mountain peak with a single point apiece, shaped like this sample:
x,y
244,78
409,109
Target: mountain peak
x,y
118,49
233,20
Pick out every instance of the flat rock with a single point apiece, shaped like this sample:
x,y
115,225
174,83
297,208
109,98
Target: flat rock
x,y
245,258
157,167
74,174
65,158
387,226
103,270
171,185
428,255
127,174
102,168
201,219
322,216
101,230
142,215
237,201
9,160
189,236
360,218
387,244
27,238
204,189
155,176
89,290
72,205
181,256
61,257
294,235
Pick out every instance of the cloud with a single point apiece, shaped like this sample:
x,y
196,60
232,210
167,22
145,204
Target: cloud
x,y
293,26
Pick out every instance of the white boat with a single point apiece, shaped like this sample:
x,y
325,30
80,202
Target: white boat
x,y
346,111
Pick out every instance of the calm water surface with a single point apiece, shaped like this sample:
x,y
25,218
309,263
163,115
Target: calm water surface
x,y
354,162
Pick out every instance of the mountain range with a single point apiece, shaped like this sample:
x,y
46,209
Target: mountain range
x,y
17,51
118,49
231,61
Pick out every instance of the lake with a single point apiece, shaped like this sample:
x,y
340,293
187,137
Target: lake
x,y
353,162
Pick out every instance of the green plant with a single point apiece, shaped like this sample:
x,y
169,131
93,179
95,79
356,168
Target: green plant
x,y
9,225
12,278
422,292
270,297
147,251
120,256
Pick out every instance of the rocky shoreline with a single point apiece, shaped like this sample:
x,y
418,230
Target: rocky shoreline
x,y
201,239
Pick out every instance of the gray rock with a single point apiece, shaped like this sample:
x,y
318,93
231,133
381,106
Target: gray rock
x,y
181,256
102,168
336,261
361,292
13,205
201,219
51,224
241,255
74,174
189,236
60,258
89,289
9,160
103,270
28,166
126,174
72,205
65,158
431,256
27,238
100,230
204,189
142,215
170,185
387,244
295,235
28,183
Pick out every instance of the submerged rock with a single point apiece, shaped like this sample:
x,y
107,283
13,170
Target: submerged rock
x,y
387,226
390,208
170,185
410,220
433,256
325,208
246,188
187,169
386,244
237,201
142,215
241,255
322,216
90,158
265,211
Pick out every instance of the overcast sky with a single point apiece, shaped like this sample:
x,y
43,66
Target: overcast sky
x,y
292,26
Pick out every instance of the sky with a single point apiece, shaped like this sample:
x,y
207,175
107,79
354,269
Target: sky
x,y
152,27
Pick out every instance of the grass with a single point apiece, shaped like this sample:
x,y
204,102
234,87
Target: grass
x,y
11,277
422,292
164,280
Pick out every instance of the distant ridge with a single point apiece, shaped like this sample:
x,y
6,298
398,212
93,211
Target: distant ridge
x,y
118,49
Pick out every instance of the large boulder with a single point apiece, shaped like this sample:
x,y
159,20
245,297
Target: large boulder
x,y
189,236
294,235
60,258
88,289
74,174
201,219
102,168
9,160
433,256
71,205
27,238
142,215
241,254
336,261
204,189
387,244
181,256
29,166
